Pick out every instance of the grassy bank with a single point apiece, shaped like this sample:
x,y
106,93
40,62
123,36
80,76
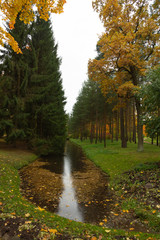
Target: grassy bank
x,y
13,204
134,178
115,160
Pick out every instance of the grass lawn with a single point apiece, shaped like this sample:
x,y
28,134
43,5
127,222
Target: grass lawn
x,y
113,160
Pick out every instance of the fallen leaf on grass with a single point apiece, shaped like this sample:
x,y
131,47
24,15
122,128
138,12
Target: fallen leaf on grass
x,y
101,223
13,213
105,220
28,222
43,230
27,215
125,210
53,231
93,238
107,231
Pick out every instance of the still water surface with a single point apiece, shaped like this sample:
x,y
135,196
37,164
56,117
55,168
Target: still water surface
x,y
71,186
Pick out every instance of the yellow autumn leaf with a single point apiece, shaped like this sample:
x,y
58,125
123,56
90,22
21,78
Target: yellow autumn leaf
x,y
93,238
53,231
125,210
13,213
131,229
101,223
27,215
41,209
43,230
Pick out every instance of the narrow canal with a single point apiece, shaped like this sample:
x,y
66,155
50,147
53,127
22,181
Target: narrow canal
x,y
70,186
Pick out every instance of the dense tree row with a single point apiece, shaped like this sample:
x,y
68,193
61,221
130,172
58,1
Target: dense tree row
x,y
32,98
126,71
129,47
97,117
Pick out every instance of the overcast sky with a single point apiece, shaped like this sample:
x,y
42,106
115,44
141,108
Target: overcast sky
x,y
76,32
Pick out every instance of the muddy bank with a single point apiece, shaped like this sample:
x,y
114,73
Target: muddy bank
x,y
41,186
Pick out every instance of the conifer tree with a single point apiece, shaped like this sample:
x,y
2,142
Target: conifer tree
x,y
13,84
32,108
46,97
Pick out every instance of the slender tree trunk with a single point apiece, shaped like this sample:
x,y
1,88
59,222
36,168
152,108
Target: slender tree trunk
x,y
96,128
135,79
101,132
112,126
129,122
117,125
104,133
123,138
126,122
139,126
134,124
92,132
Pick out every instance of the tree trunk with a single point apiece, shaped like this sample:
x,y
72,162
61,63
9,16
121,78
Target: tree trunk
x,y
152,140
112,126
117,125
139,126
129,122
92,133
134,124
126,122
104,133
96,140
123,138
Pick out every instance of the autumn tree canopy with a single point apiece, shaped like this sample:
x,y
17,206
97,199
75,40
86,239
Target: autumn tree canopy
x,y
11,8
129,46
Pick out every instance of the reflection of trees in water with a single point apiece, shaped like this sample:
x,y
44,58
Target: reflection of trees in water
x,y
68,205
76,155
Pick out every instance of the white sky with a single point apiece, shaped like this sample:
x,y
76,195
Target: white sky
x,y
76,32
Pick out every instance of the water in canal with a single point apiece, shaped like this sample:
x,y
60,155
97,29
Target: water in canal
x,y
70,186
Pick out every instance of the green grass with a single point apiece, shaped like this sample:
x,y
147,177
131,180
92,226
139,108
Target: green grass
x,y
14,203
115,160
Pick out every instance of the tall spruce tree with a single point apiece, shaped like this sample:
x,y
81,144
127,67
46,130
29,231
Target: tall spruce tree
x,y
45,93
32,108
13,85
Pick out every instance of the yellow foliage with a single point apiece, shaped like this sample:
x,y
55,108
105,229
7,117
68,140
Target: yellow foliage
x,y
129,45
127,90
11,8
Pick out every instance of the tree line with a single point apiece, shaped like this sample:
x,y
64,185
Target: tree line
x,y
32,97
126,70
